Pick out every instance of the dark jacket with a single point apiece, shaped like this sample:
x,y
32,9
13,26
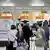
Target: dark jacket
x,y
27,32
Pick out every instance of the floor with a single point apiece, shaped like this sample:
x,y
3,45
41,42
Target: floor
x,y
4,48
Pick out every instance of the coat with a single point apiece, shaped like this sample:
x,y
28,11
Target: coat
x,y
27,32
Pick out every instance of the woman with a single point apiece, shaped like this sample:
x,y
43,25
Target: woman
x,y
12,36
40,43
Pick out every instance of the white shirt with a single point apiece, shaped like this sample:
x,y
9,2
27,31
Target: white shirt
x,y
12,35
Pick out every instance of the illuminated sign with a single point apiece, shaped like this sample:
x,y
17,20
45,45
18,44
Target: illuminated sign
x,y
5,15
41,16
38,17
24,15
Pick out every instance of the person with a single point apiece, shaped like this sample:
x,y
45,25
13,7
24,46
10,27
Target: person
x,y
20,34
11,36
21,40
46,28
40,42
49,35
34,30
33,38
27,32
45,23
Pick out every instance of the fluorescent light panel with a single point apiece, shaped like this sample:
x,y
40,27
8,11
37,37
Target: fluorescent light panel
x,y
7,4
37,3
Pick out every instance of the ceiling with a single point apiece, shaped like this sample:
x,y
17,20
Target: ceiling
x,y
24,3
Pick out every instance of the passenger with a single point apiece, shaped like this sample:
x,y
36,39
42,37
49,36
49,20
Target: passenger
x,y
34,30
27,32
45,23
20,33
49,35
33,37
40,43
15,45
21,40
46,28
12,36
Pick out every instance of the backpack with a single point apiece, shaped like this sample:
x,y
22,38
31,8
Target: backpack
x,y
41,40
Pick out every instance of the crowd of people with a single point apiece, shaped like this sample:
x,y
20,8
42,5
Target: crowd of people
x,y
18,36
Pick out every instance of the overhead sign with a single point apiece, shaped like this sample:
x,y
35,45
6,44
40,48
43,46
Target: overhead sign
x,y
24,15
5,15
40,16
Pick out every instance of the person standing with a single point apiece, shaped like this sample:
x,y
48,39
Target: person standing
x,y
46,29
33,38
11,36
27,32
40,43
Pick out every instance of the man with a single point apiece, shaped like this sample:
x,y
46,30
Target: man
x,y
27,32
45,25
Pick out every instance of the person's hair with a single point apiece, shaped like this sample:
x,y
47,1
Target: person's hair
x,y
13,27
35,26
39,23
22,25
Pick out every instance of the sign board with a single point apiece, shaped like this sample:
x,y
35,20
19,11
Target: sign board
x,y
5,15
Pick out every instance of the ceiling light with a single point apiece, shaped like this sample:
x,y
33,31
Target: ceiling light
x,y
37,4
7,4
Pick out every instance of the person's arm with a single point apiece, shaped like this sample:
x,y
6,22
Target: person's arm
x,y
14,36
8,36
